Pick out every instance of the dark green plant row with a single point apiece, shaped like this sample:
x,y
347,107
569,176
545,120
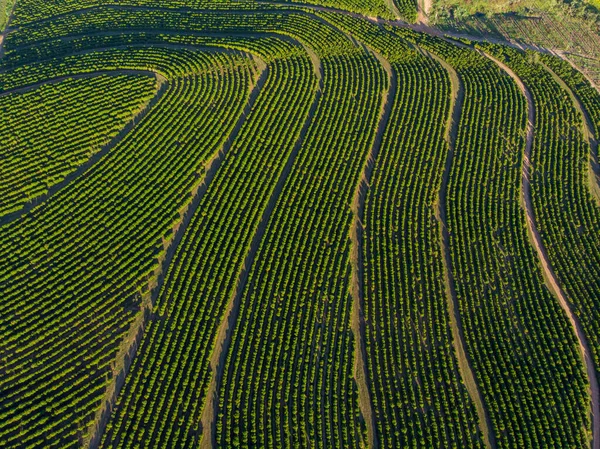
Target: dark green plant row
x,y
568,217
288,375
27,11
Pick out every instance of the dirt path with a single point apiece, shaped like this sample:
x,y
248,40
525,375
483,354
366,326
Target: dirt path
x,y
226,327
95,158
458,339
423,10
131,342
545,261
6,29
588,133
357,320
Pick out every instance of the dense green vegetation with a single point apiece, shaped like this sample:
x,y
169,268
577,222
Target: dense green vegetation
x,y
501,292
182,328
567,213
112,247
287,378
289,224
48,131
398,221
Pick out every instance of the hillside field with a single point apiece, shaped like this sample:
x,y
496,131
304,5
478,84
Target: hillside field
x,y
296,224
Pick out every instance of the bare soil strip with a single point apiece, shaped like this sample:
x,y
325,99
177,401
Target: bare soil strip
x,y
423,10
131,342
545,261
226,327
458,340
588,133
96,157
357,319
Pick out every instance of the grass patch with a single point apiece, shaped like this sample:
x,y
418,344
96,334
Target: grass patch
x,y
6,7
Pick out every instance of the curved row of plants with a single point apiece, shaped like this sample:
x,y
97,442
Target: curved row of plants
x,y
288,374
407,323
52,129
568,218
167,388
514,327
75,270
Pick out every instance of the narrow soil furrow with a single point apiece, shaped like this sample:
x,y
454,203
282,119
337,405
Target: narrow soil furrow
x,y
540,249
96,157
565,57
225,330
458,339
588,133
357,323
131,341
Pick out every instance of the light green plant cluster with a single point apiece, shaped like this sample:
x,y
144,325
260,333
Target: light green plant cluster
x,y
6,7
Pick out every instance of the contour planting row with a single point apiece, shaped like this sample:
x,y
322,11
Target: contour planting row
x,y
50,130
568,217
288,373
40,10
167,61
419,398
167,388
62,47
106,22
524,353
589,98
375,8
73,270
106,18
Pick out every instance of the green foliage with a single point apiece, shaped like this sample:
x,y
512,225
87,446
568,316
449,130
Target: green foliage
x,y
76,272
49,130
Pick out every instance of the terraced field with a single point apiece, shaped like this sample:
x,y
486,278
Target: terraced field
x,y
292,224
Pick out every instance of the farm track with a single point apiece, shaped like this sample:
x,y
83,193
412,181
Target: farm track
x,y
357,323
423,9
588,133
6,30
94,159
458,339
226,327
131,342
540,249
